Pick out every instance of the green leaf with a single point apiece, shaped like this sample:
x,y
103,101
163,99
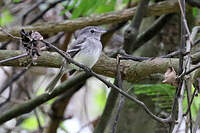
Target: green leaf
x,y
5,18
101,98
16,1
88,7
195,104
152,89
83,8
194,11
161,94
107,6
31,123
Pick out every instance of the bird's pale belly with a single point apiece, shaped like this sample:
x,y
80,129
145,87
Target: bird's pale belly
x,y
87,58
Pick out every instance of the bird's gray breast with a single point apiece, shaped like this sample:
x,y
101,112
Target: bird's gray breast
x,y
89,53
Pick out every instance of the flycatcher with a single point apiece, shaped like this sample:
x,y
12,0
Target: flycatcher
x,y
86,50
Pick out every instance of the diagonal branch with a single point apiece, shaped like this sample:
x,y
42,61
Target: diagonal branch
x,y
151,31
32,104
52,5
119,90
14,78
132,31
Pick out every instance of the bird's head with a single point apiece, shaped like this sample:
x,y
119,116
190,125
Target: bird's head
x,y
90,31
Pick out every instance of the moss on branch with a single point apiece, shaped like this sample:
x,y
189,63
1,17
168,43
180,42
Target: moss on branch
x,y
131,70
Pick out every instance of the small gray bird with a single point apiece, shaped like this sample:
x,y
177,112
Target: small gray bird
x,y
85,50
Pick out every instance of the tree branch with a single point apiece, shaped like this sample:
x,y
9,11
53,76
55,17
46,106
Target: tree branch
x,y
131,70
151,31
110,104
111,17
195,3
32,104
132,31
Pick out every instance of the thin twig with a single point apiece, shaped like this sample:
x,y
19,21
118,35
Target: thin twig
x,y
89,71
119,84
125,56
132,31
182,8
15,78
15,37
195,30
188,92
196,42
188,71
27,92
120,106
8,98
110,104
14,58
152,30
190,103
5,71
52,5
30,10
191,70
172,54
181,61
3,45
180,109
15,101
30,105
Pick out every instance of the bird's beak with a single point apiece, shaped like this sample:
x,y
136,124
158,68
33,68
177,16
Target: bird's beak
x,y
103,31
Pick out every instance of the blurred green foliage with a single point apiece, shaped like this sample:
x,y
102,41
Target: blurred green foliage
x,y
154,89
5,18
16,1
31,123
195,104
194,11
88,7
101,98
163,94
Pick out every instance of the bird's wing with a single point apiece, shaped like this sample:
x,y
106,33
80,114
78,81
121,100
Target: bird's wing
x,y
75,47
55,80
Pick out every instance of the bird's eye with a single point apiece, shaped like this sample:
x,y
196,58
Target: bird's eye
x,y
92,31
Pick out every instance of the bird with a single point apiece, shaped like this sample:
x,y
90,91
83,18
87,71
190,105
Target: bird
x,y
85,49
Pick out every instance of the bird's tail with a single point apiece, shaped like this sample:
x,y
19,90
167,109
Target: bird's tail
x,y
55,80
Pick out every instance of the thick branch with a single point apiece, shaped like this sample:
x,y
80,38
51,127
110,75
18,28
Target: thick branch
x,y
32,104
111,17
131,71
132,31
